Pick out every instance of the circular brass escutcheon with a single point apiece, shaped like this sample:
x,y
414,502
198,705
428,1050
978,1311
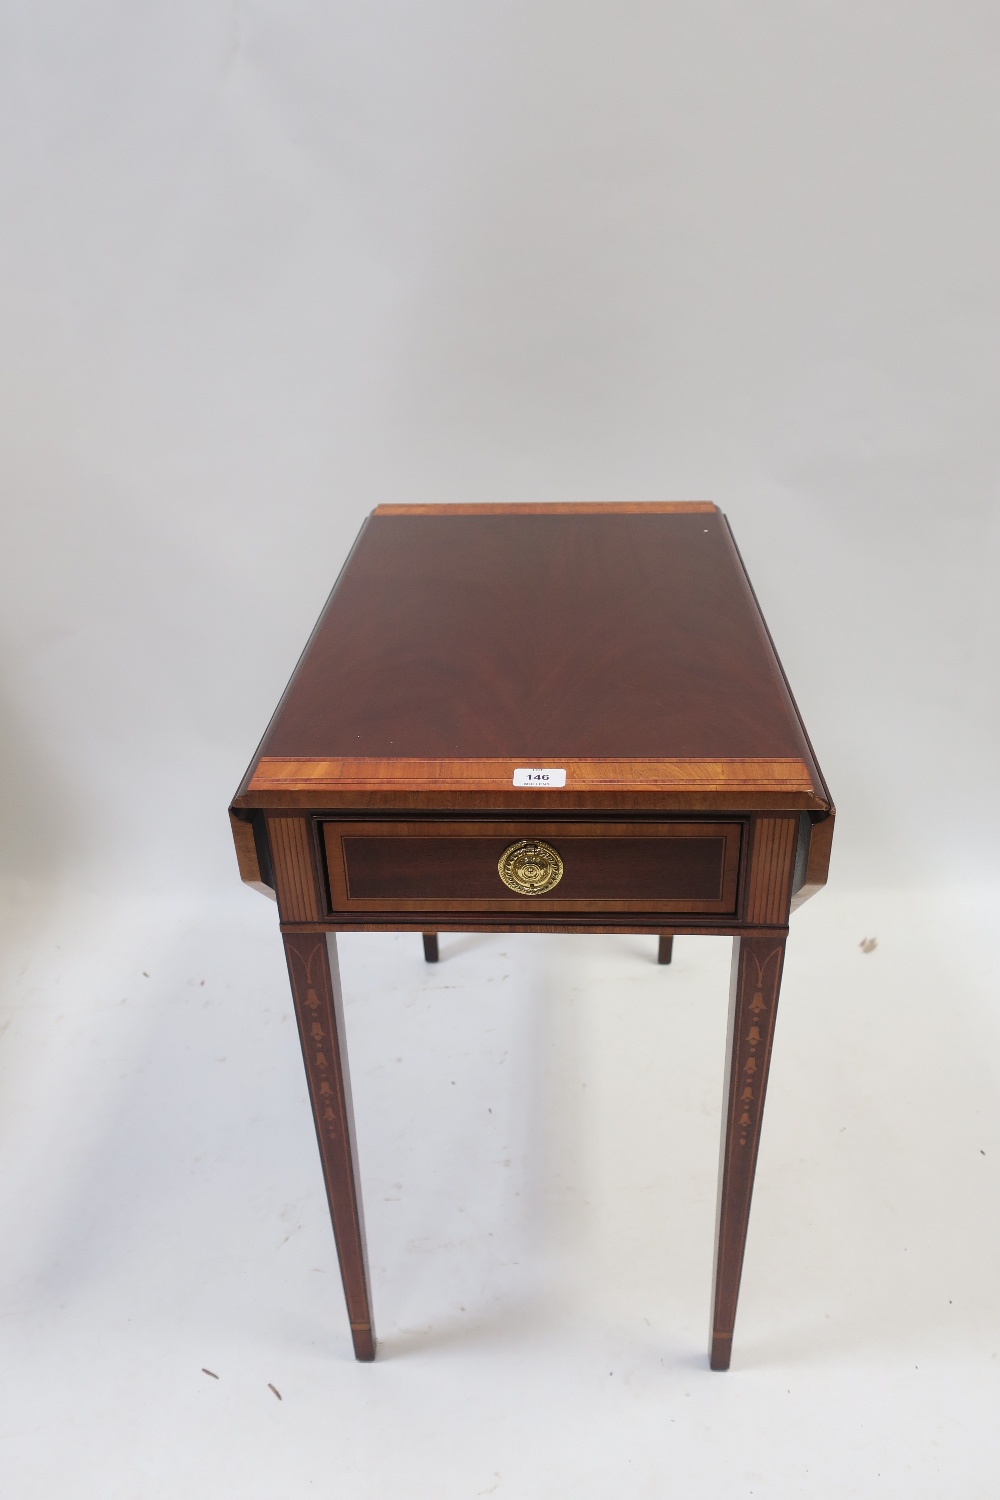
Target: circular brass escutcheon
x,y
530,867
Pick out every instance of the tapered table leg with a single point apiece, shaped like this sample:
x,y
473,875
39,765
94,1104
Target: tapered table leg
x,y
315,976
430,947
753,1002
666,948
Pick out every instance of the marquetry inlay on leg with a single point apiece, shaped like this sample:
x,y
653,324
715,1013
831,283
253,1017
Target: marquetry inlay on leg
x,y
756,978
319,1011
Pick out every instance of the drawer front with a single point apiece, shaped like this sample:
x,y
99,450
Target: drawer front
x,y
615,867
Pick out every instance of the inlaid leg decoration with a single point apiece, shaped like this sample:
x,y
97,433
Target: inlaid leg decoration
x,y
666,947
431,947
753,1002
315,977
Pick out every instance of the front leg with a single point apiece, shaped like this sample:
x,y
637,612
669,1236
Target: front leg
x,y
753,1003
315,976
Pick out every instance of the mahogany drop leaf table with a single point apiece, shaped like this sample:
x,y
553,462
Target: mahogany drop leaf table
x,y
537,718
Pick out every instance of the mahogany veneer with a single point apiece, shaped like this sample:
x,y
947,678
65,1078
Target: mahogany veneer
x,y
621,645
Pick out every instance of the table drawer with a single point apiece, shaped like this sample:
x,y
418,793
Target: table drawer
x,y
584,867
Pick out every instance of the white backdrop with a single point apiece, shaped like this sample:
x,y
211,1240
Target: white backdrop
x,y
262,267
267,265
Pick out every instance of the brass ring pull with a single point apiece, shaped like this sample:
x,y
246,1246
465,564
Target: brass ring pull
x,y
530,867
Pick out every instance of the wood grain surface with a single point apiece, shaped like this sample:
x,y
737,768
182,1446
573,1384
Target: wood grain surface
x,y
315,981
771,864
817,860
443,867
323,777
409,921
621,643
557,508
247,857
755,983
295,874
626,645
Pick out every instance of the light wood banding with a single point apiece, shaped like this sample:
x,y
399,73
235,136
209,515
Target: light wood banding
x,y
678,775
555,508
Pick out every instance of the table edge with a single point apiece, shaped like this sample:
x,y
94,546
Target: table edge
x,y
495,774
558,508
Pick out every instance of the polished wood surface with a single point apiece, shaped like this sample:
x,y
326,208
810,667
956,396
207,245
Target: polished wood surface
x,y
771,869
315,982
820,835
245,838
582,508
753,1004
663,875
294,864
451,867
720,777
629,639
622,645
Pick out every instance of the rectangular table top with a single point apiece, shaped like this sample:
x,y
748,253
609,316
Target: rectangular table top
x,y
619,643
